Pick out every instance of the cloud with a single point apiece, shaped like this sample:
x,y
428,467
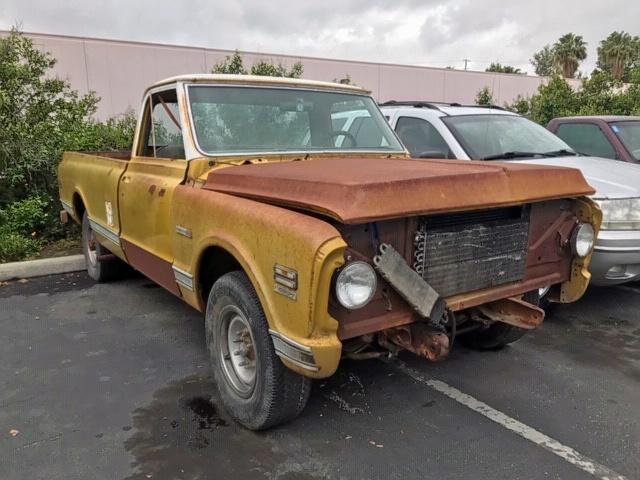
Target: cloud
x,y
430,32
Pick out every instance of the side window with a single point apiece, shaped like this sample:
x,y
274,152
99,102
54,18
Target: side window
x,y
162,137
365,132
422,139
586,138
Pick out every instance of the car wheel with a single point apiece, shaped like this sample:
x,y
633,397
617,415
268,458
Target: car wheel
x,y
498,334
543,301
255,387
100,271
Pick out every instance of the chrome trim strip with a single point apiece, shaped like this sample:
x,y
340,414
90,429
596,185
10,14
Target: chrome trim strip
x,y
296,353
67,207
598,248
107,233
184,231
183,278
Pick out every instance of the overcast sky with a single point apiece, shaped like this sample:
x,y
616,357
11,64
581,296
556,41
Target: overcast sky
x,y
417,32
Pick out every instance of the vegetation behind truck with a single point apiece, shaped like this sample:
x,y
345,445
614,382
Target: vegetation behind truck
x,y
304,242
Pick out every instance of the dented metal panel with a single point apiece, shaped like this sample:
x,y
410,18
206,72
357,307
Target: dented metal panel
x,y
356,190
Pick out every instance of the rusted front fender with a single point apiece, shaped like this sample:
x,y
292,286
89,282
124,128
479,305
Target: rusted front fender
x,y
260,236
587,211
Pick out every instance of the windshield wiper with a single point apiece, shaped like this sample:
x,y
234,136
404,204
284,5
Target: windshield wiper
x,y
517,154
510,155
560,153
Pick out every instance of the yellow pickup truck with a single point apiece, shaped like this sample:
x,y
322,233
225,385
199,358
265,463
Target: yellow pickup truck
x,y
306,234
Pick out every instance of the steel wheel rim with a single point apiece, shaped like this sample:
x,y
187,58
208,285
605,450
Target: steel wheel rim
x,y
543,291
91,248
237,351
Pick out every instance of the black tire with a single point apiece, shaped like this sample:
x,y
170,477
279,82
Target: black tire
x,y
498,334
277,394
100,271
545,304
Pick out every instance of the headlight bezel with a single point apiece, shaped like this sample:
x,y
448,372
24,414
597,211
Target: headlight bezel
x,y
620,213
341,280
578,236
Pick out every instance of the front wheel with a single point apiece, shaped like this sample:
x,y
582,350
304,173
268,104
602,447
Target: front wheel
x,y
498,334
256,388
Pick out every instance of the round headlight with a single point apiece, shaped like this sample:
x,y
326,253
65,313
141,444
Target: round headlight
x,y
355,285
582,240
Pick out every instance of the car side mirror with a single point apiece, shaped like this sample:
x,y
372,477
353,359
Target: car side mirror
x,y
433,154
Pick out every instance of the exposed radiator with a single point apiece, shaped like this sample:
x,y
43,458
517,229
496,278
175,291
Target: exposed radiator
x,y
470,251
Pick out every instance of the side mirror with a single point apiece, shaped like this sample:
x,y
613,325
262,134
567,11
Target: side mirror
x,y
433,154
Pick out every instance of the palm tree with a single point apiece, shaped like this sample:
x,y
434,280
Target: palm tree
x,y
617,52
568,52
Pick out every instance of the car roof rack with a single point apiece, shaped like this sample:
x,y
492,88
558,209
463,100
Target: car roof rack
x,y
413,103
433,105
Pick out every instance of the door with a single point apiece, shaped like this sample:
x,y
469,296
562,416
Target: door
x,y
146,190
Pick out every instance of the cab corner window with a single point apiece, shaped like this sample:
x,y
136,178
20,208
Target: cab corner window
x,y
422,139
586,138
162,137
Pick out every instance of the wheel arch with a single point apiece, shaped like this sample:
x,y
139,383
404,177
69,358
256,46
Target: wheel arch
x,y
79,205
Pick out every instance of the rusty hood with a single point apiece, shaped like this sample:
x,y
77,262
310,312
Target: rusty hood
x,y
357,190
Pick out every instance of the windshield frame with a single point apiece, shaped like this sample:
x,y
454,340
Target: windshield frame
x,y
622,142
257,153
446,120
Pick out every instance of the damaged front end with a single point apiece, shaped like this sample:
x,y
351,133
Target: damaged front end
x,y
461,274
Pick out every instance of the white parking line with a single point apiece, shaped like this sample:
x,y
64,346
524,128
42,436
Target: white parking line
x,y
531,434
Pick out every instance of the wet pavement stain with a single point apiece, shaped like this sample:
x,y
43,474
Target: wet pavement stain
x,y
205,412
182,434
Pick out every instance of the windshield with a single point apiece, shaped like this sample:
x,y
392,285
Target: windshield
x,y
629,135
492,136
279,120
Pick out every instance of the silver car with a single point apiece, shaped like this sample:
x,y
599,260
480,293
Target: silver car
x,y
436,130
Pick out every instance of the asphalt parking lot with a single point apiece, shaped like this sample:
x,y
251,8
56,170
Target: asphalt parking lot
x,y
111,382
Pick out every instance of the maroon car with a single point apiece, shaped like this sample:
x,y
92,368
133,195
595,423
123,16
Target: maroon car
x,y
616,137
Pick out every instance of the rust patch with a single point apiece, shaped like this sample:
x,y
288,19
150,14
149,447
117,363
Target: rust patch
x,y
152,188
421,340
155,268
513,311
356,190
162,192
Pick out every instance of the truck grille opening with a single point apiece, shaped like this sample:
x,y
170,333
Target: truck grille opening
x,y
459,253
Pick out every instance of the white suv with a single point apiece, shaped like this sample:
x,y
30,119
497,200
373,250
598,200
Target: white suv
x,y
442,130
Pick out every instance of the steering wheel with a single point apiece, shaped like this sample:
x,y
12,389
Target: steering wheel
x,y
344,133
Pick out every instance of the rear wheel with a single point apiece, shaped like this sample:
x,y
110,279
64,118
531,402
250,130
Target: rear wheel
x,y
99,270
498,334
254,385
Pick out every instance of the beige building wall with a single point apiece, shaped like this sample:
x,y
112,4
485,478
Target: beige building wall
x,y
119,72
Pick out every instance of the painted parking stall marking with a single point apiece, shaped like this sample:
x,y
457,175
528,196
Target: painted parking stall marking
x,y
567,453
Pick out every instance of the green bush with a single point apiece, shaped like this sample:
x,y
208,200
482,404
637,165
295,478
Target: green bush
x,y
600,94
14,247
27,217
24,227
41,117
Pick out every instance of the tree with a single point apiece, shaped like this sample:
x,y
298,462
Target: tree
x,y
234,64
543,62
484,97
346,80
40,117
600,94
618,53
499,68
568,52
